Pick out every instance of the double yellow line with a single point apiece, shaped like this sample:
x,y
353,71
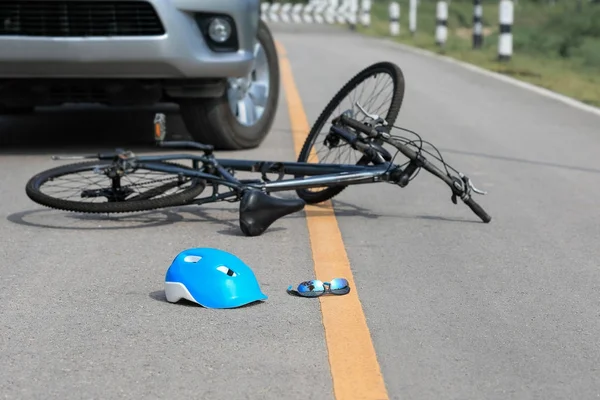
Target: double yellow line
x,y
354,368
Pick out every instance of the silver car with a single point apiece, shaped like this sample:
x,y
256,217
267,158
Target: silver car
x,y
215,58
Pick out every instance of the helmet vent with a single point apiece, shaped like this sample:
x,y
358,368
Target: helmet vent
x,y
226,270
192,259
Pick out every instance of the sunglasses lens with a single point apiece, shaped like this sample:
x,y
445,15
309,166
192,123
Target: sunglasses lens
x,y
311,288
339,286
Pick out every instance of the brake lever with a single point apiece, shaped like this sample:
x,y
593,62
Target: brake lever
x,y
470,185
463,187
376,118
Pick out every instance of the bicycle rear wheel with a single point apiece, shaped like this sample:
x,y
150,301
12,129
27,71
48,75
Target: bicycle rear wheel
x,y
126,195
388,108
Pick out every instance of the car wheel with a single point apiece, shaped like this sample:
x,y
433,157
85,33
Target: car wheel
x,y
242,118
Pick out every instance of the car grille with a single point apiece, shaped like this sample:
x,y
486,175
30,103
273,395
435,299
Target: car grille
x,y
78,18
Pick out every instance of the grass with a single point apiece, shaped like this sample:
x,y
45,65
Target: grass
x,y
554,46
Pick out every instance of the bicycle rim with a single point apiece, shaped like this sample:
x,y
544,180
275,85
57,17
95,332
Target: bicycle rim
x,y
383,77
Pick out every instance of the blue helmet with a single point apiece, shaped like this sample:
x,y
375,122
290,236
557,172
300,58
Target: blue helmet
x,y
212,278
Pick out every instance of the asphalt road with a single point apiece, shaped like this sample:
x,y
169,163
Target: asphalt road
x,y
457,309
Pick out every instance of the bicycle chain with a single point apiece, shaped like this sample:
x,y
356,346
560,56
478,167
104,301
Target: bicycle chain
x,y
147,183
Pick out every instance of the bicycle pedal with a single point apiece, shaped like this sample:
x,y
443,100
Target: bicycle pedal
x,y
160,127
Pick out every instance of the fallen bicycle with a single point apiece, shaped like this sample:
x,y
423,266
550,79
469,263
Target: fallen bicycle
x,y
112,174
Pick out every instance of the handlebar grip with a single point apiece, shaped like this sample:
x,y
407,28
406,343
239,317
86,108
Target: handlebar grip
x,y
359,126
485,217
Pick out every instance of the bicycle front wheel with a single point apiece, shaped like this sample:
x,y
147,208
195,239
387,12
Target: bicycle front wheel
x,y
379,89
86,187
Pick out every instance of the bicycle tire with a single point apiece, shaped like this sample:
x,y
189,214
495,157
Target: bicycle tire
x,y
34,184
398,95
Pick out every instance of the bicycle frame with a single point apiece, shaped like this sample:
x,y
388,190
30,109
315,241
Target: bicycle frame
x,y
318,174
306,175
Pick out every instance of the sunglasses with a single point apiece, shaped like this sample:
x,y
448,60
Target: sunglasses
x,y
316,288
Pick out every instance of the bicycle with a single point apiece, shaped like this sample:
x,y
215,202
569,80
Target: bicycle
x,y
258,209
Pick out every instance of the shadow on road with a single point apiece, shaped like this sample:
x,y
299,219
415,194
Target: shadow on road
x,y
85,128
91,129
159,295
64,220
226,219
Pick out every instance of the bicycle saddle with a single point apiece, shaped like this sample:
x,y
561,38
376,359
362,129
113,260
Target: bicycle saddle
x,y
258,211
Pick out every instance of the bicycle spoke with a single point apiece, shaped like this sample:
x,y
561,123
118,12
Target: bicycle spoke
x,y
377,100
71,187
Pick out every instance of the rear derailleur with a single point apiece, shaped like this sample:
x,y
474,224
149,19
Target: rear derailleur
x,y
123,163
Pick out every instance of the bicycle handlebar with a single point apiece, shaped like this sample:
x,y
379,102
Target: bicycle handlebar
x,y
477,209
359,126
421,162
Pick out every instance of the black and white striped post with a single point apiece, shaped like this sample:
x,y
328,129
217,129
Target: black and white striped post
x,y
506,14
330,15
394,10
366,13
441,28
477,24
352,13
340,11
412,17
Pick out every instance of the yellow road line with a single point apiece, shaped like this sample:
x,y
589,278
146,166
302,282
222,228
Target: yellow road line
x,y
354,368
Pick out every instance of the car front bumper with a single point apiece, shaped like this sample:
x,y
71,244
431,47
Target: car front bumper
x,y
182,52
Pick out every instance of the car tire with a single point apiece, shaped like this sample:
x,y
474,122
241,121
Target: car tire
x,y
213,121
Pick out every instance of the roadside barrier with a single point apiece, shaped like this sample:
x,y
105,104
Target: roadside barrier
x,y
441,28
365,15
355,12
412,17
319,11
394,10
477,24
505,14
